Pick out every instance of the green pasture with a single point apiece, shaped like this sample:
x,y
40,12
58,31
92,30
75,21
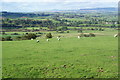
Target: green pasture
x,y
90,57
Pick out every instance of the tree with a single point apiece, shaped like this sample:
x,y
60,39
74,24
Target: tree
x,y
8,38
29,36
48,35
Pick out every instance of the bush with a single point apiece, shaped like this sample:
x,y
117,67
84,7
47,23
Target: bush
x,y
91,35
87,35
29,36
96,28
82,35
17,38
61,32
100,29
2,39
40,33
3,33
14,34
24,37
59,29
92,29
88,28
59,36
64,28
48,35
80,31
8,38
68,32
26,33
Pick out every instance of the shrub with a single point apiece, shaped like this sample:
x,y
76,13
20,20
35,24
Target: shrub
x,y
2,39
96,28
91,35
100,29
80,31
26,33
48,35
40,33
68,32
82,35
24,37
92,29
8,38
86,35
88,28
40,28
59,36
59,29
3,33
17,38
61,32
64,28
29,36
14,34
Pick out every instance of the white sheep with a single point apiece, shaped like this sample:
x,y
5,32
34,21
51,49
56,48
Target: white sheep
x,y
31,38
47,39
78,37
58,39
37,41
116,35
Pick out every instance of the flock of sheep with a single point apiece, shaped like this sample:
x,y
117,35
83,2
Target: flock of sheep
x,y
58,38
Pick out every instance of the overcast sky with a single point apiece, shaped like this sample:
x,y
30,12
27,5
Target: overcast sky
x,y
44,5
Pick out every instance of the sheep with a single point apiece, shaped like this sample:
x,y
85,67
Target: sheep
x,y
47,40
31,38
37,41
116,35
78,37
58,39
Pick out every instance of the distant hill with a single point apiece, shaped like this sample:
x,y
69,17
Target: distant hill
x,y
20,14
36,14
102,9
90,9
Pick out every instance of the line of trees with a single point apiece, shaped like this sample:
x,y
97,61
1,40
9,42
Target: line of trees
x,y
50,24
23,37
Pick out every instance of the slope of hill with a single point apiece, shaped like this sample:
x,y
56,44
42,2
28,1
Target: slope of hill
x,y
36,14
102,9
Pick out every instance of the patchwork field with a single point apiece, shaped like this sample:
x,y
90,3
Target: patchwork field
x,y
87,57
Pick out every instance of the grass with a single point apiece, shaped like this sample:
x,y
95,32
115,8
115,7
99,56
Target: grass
x,y
92,57
36,27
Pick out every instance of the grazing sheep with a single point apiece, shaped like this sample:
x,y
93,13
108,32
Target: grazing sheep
x,y
78,37
116,35
58,39
47,40
31,38
37,41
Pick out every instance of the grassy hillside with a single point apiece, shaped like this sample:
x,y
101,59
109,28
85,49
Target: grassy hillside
x,y
69,58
